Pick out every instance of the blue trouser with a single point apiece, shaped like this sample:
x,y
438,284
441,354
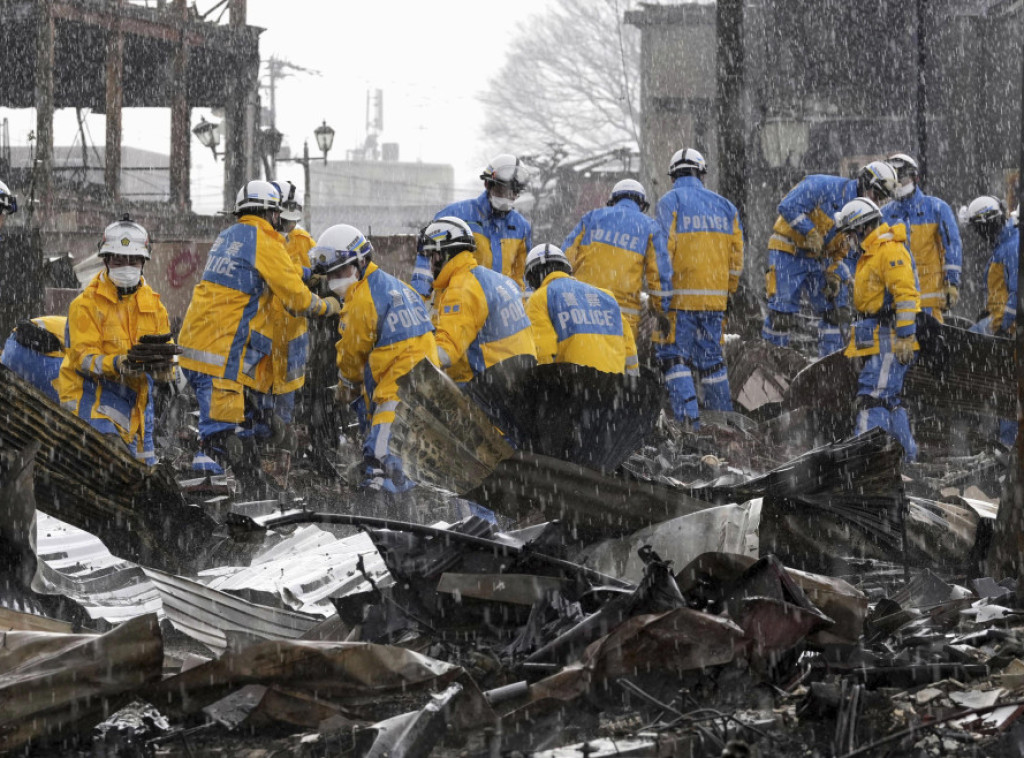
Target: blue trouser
x,y
796,277
1007,426
380,467
879,391
36,368
695,343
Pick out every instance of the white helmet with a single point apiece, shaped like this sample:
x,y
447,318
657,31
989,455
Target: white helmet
x,y
687,159
986,209
339,246
447,234
8,201
291,208
855,214
258,195
878,177
127,238
904,165
508,171
631,189
539,258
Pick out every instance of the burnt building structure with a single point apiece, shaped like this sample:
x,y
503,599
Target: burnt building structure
x,y
108,55
827,89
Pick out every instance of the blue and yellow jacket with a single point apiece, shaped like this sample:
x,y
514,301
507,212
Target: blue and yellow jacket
x,y
385,331
480,318
705,247
100,327
811,204
30,359
577,323
289,333
885,293
611,247
247,266
934,243
1002,280
502,241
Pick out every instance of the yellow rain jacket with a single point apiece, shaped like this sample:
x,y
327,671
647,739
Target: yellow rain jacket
x,y
289,333
885,293
221,335
576,323
705,247
480,318
100,327
612,247
385,331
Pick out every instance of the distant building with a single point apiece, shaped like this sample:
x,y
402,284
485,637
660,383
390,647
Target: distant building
x,y
379,197
145,174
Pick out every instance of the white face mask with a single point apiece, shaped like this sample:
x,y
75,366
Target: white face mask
x,y
501,204
124,277
339,286
904,190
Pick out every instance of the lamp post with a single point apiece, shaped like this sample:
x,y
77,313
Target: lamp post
x,y
208,135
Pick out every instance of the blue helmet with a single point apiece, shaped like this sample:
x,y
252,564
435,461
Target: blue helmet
x,y
339,246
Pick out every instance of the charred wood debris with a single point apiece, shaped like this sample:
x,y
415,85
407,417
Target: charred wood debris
x,y
593,580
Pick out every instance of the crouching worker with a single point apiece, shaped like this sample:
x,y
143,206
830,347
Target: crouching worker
x,y
117,343
35,350
480,316
385,331
886,298
574,322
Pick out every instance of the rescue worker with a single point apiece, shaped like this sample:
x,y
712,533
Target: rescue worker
x,y
480,319
385,331
933,235
806,258
8,204
109,366
987,216
35,350
247,266
883,335
502,235
611,247
573,322
705,250
289,333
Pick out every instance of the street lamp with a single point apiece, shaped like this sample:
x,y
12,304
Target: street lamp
x,y
208,134
324,140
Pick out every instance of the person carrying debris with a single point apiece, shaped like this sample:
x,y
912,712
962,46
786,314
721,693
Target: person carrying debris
x,y
573,322
705,251
385,331
35,350
247,266
611,247
117,344
480,319
503,235
933,236
806,258
282,374
987,216
883,335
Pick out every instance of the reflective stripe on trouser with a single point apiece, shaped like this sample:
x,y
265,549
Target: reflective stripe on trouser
x,y
896,422
681,393
221,403
881,380
797,278
716,390
202,462
772,331
377,447
830,338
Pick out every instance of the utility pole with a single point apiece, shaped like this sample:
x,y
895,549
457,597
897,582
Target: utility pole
x,y
732,149
921,105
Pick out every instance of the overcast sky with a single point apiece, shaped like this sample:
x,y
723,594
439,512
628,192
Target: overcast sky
x,y
431,59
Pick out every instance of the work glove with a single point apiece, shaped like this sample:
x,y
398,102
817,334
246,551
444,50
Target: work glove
x,y
127,368
314,282
333,306
952,296
154,349
832,285
345,392
903,349
814,242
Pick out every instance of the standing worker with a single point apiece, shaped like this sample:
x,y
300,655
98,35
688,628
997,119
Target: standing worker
x,y
502,235
805,258
117,343
705,251
247,266
933,236
884,334
385,331
611,248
